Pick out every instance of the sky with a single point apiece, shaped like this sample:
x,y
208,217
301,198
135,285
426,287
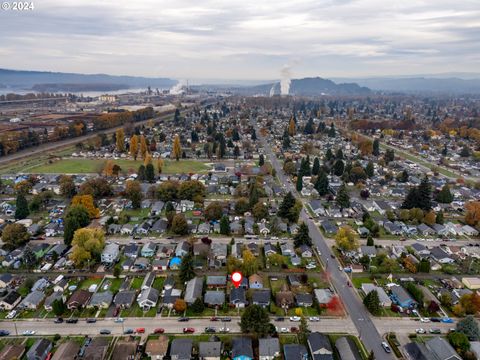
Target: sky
x,y
247,39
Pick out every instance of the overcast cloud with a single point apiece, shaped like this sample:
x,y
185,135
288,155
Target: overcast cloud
x,y
247,39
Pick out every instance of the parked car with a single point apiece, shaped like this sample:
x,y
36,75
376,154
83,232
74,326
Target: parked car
x,y
188,330
435,319
447,320
105,332
294,329
183,319
435,331
28,332
4,332
314,318
119,320
295,318
128,331
11,314
140,330
386,347
280,318
72,321
425,320
420,331
91,320
210,329
226,319
159,331
284,330
58,320
224,330
214,318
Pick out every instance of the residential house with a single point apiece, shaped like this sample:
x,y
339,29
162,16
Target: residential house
x,y
193,290
268,348
32,301
287,249
124,299
157,348
214,298
242,348
305,251
261,297
181,349
110,253
210,350
219,251
10,300
148,250
255,281
131,250
97,350
78,299
101,300
439,255
304,300
5,280
67,350
441,349
420,249
269,249
323,296
295,352
48,303
148,298
182,249
425,230
402,298
385,300
39,350
160,264
284,298
238,297
216,281
319,346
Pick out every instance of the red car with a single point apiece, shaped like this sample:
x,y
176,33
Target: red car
x,y
214,318
159,331
140,330
294,329
188,330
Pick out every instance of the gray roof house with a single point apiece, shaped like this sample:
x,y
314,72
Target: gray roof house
x,y
242,348
110,253
148,298
268,348
32,300
101,300
319,346
214,298
441,349
209,350
261,297
56,295
181,349
193,290
295,352
39,350
347,349
125,298
238,297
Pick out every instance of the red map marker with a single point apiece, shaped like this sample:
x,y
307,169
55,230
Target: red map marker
x,y
237,278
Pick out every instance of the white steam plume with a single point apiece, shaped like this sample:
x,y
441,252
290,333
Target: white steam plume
x,y
285,81
178,88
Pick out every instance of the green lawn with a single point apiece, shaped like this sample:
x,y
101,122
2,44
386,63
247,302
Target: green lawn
x,y
79,166
85,284
136,283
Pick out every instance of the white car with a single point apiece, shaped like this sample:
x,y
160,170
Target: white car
x,y
314,318
28,333
284,330
224,330
420,331
310,266
119,320
425,320
11,314
295,318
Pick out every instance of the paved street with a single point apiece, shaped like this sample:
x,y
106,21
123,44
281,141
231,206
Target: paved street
x,y
171,325
359,315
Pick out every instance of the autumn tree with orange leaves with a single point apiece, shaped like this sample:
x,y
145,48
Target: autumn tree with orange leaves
x,y
473,213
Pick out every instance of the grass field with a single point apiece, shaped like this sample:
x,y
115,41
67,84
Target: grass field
x,y
81,166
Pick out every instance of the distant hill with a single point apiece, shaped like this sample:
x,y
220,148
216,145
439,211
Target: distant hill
x,y
57,81
447,85
304,87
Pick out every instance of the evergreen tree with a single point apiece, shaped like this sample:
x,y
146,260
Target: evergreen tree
x,y
372,302
445,196
255,320
339,167
370,241
389,155
329,154
224,225
376,147
299,185
316,166
302,237
403,176
305,166
424,266
369,169
303,331
439,219
425,194
343,199
321,184
308,127
332,132
141,173
29,258
339,154
150,173
187,271
286,140
21,209
465,152
411,200
261,160
198,306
